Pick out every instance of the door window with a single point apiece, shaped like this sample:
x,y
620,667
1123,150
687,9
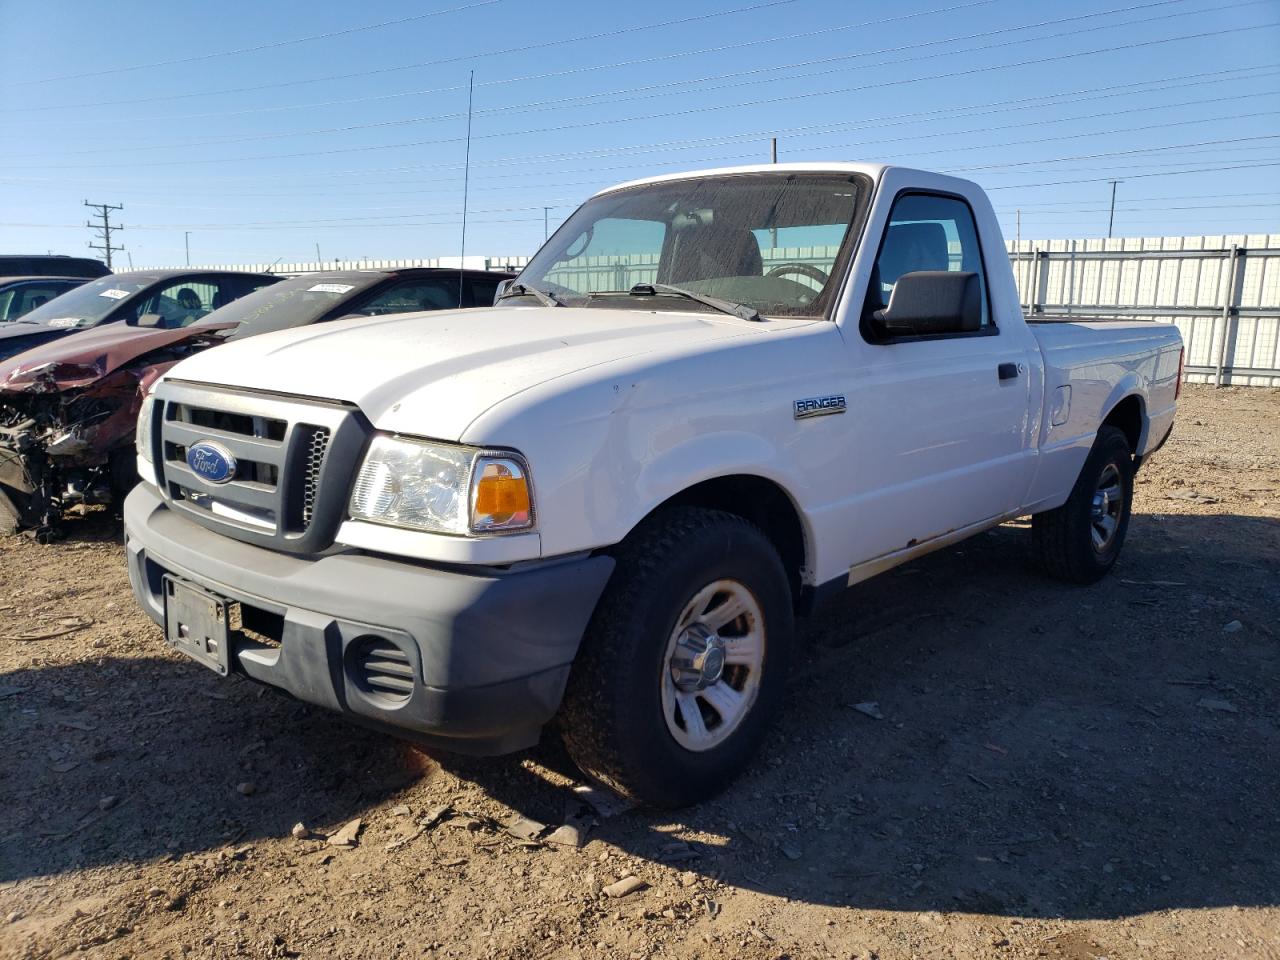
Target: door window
x,y
926,232
23,298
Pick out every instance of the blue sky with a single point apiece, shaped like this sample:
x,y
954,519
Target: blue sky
x,y
353,140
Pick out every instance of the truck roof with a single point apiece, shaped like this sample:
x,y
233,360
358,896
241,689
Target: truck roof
x,y
873,170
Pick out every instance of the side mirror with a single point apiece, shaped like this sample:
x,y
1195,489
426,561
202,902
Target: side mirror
x,y
503,286
932,302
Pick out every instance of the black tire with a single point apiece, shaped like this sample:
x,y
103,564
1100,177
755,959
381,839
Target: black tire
x,y
123,472
612,720
1063,540
10,514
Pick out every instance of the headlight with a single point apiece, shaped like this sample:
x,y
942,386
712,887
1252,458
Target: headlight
x,y
442,488
142,434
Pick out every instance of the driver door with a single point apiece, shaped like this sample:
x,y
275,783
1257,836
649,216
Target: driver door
x,y
942,438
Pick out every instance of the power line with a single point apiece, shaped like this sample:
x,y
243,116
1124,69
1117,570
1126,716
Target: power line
x,y
689,111
276,45
384,220
1121,208
528,78
1136,176
612,98
562,203
524,48
1109,91
1123,153
103,229
1124,204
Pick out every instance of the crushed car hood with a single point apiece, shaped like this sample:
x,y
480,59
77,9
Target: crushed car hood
x,y
80,359
433,373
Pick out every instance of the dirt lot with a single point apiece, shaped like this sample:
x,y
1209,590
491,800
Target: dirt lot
x,y
1060,772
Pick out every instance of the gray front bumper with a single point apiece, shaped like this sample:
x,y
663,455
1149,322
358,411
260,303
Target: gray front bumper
x,y
491,650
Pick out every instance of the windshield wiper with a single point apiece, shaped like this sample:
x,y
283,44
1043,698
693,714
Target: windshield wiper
x,y
715,303
524,290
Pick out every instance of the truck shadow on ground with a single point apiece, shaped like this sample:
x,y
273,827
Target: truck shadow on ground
x,y
1044,750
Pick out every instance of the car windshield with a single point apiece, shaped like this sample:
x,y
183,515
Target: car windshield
x,y
289,303
89,304
773,242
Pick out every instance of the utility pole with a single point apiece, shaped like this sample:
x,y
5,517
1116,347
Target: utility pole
x,y
773,149
318,260
466,184
104,228
546,232
186,242
1111,220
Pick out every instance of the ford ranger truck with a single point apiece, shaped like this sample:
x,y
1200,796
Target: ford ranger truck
x,y
709,400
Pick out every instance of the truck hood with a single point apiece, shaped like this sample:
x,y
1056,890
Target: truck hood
x,y
433,373
82,358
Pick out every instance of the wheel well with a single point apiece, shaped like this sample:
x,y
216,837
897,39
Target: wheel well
x,y
1127,416
766,505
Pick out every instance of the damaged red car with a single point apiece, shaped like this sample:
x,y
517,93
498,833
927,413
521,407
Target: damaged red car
x,y
68,408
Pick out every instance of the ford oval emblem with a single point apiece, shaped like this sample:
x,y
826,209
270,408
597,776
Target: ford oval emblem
x,y
211,461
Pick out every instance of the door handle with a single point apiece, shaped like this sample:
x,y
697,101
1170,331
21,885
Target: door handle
x,y
1007,371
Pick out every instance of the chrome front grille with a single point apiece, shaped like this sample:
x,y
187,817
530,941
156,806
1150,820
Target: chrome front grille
x,y
284,452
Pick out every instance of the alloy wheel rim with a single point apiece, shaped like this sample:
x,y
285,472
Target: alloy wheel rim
x,y
1107,509
712,665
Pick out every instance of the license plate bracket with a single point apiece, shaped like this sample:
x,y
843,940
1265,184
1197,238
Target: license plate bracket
x,y
196,623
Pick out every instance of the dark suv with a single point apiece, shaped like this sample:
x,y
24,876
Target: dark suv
x,y
51,265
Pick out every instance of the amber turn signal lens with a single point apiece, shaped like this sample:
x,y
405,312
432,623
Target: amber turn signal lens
x,y
502,495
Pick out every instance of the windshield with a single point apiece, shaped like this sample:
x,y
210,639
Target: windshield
x,y
290,303
771,241
89,304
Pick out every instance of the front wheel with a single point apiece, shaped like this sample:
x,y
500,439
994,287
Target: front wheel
x,y
683,665
1080,541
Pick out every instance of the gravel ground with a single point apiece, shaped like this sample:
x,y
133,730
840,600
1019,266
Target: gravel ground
x,y
1057,772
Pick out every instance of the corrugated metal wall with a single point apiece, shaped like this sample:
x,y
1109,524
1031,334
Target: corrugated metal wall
x,y
1222,291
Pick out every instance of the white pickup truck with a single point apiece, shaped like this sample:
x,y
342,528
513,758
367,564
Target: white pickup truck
x,y
709,400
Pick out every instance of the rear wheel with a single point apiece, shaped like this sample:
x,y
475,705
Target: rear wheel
x,y
1080,541
683,665
10,512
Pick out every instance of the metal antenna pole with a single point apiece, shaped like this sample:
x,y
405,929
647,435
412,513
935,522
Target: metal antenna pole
x,y
1112,219
773,149
186,242
104,229
466,184
546,232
